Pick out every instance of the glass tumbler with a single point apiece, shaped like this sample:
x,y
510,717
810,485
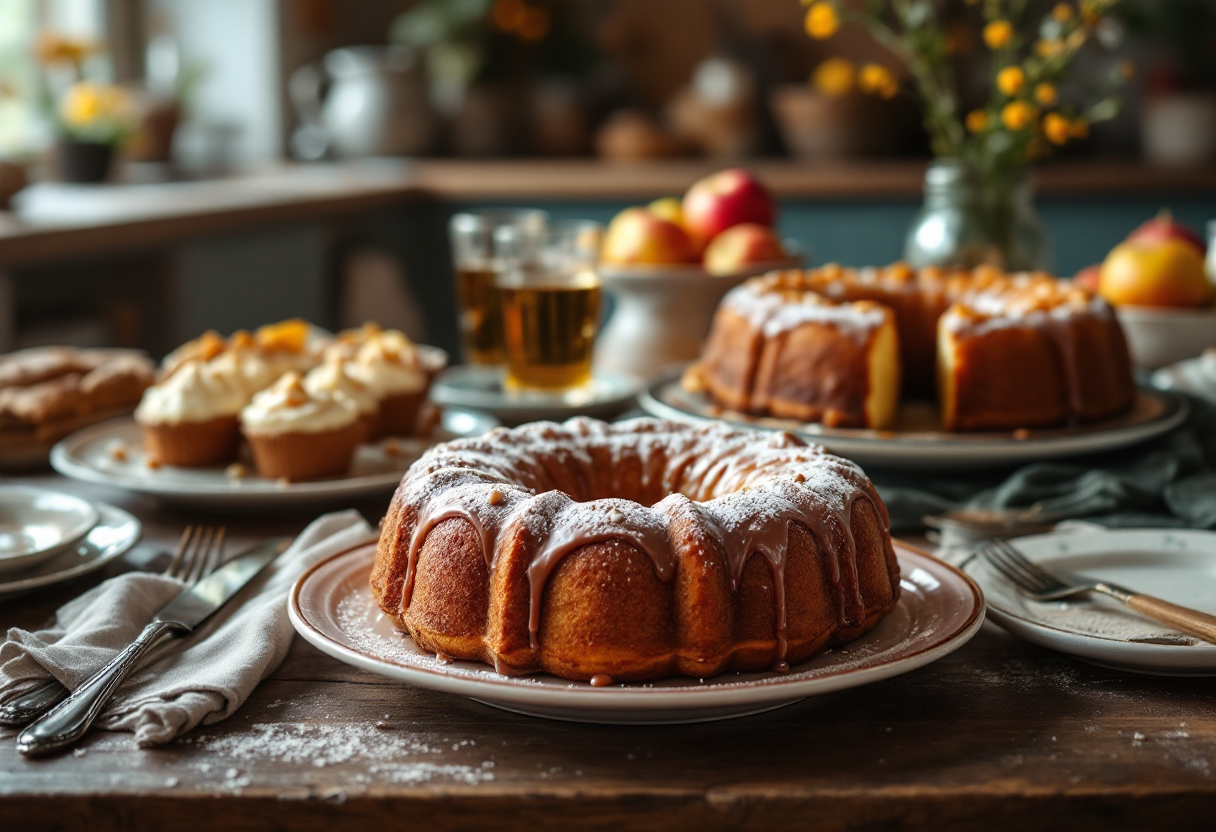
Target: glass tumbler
x,y
478,301
551,302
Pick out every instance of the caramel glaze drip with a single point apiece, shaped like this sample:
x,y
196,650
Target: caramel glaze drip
x,y
746,487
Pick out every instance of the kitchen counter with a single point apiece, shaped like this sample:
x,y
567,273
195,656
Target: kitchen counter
x,y
55,222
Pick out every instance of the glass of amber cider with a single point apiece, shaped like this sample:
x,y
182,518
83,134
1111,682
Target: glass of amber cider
x,y
551,298
477,297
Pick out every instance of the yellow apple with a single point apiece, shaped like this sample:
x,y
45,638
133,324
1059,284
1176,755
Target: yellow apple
x,y
636,237
1155,273
668,208
742,245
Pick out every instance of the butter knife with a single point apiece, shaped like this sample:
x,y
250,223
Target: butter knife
x,y
68,721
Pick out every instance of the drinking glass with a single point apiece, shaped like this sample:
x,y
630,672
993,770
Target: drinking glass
x,y
551,301
472,236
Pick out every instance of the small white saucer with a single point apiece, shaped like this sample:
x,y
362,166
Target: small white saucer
x,y
939,610
115,533
481,388
35,524
1178,565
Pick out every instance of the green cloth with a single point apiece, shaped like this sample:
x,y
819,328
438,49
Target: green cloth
x,y
1170,481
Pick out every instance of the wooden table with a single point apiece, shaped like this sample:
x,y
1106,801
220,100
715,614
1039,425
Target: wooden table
x,y
1000,735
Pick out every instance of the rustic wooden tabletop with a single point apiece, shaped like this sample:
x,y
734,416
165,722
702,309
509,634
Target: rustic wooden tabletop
x,y
999,735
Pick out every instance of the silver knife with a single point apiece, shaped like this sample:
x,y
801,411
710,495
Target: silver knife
x,y
70,719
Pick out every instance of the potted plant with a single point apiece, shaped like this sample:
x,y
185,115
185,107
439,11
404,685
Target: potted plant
x,y
89,119
93,120
978,206
843,111
474,52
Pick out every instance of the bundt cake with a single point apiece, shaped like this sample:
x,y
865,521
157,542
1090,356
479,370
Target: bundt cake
x,y
836,346
634,551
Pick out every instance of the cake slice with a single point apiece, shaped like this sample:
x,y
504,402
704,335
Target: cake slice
x,y
778,348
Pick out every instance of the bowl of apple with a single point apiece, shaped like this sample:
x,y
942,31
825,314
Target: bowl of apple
x,y
1157,282
668,265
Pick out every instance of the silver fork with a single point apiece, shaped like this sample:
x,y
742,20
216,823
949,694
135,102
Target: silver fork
x,y
198,554
1041,585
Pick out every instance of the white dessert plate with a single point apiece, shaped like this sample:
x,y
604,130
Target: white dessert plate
x,y
112,454
481,388
35,524
917,443
939,609
1178,565
114,534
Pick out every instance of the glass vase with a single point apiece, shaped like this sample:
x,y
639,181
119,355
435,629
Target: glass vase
x,y
967,221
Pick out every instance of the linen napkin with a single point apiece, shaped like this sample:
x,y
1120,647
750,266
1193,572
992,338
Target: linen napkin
x,y
201,678
1169,482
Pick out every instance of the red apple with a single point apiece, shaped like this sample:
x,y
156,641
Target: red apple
x,y
742,245
1164,227
724,199
1172,273
637,237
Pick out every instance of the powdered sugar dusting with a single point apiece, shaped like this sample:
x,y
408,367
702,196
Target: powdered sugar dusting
x,y
562,487
381,755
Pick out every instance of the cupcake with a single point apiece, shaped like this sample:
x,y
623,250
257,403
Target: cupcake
x,y
291,345
400,374
203,348
332,380
346,343
190,418
295,435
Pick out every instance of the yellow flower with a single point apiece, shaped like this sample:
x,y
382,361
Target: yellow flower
x,y
84,104
1046,95
52,48
977,121
1056,128
834,77
1080,129
1049,48
1010,80
1090,12
1062,12
998,34
1017,115
821,20
876,79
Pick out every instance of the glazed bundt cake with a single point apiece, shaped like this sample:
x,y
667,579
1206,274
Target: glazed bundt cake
x,y
634,551
836,346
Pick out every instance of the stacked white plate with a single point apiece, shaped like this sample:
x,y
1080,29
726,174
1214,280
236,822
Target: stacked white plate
x,y
48,536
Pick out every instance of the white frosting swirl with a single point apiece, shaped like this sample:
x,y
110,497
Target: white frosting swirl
x,y
389,364
194,393
248,368
286,407
332,380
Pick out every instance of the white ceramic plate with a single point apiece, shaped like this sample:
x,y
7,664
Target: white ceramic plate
x,y
1177,565
91,455
115,533
939,609
915,444
481,388
36,523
